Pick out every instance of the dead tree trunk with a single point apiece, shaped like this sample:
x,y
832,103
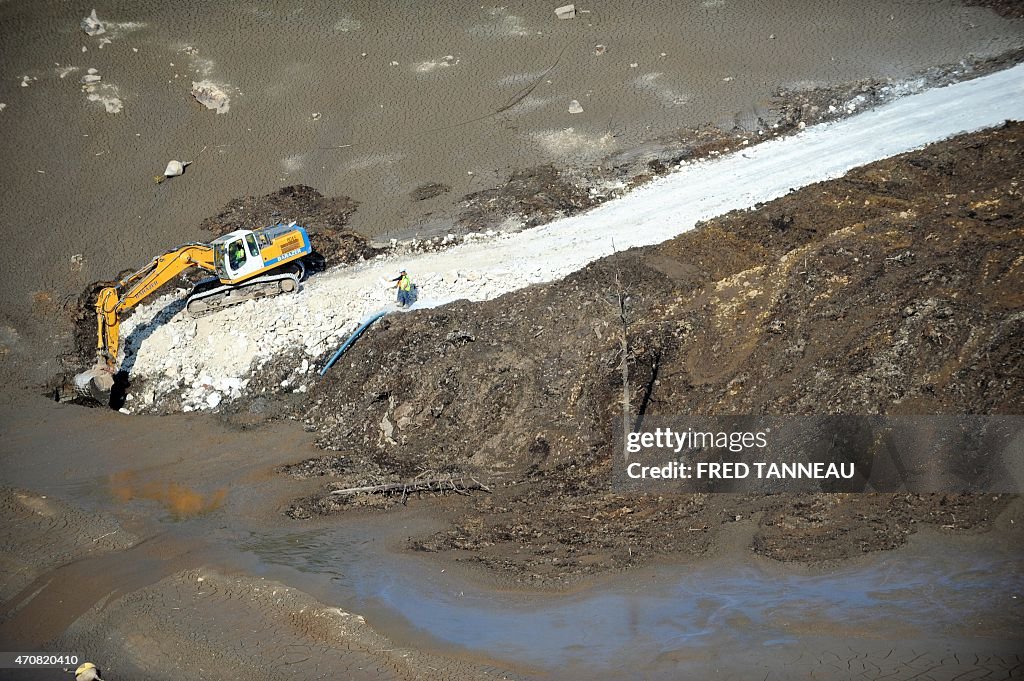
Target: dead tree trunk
x,y
624,364
460,485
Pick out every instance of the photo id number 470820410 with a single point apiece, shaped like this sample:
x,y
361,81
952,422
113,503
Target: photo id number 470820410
x,y
38,660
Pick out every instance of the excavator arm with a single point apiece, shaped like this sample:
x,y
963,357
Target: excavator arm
x,y
114,301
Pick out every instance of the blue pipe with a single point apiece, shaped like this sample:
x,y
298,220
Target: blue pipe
x,y
350,341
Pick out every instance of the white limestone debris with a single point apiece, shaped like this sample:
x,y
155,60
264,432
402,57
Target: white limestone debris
x,y
211,95
566,12
176,168
92,25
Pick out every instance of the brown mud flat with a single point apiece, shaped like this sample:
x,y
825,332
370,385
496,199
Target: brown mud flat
x,y
156,608
185,597
40,534
896,289
249,627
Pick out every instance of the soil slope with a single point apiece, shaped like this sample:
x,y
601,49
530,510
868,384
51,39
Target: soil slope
x,y
896,289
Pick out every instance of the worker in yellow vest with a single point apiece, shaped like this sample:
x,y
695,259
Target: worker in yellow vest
x,y
404,286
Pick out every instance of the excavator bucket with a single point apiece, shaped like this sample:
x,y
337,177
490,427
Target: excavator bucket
x,y
95,383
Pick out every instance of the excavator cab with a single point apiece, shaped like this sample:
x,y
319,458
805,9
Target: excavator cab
x,y
237,256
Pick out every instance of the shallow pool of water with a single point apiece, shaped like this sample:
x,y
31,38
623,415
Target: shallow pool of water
x,y
663,620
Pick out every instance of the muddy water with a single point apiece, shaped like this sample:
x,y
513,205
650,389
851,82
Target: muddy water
x,y
67,593
699,617
943,606
372,99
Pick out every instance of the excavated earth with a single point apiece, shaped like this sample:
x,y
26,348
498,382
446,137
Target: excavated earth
x,y
325,219
897,289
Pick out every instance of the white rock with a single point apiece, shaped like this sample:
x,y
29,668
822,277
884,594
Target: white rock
x,y
213,399
211,95
229,384
92,25
574,107
176,168
566,12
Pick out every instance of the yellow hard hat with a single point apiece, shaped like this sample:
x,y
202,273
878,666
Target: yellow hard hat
x,y
86,666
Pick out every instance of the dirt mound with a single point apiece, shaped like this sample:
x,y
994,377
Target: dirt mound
x,y
429,190
535,195
327,465
896,289
326,219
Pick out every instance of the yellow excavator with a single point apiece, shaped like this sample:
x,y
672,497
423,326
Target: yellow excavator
x,y
247,264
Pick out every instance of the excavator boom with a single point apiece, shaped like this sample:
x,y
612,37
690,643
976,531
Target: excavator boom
x,y
114,301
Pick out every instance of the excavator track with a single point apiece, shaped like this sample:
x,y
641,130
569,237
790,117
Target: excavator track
x,y
209,295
